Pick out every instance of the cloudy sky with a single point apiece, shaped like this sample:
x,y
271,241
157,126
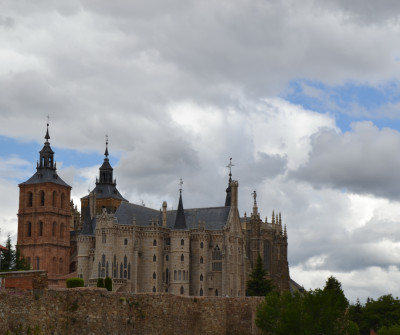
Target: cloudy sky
x,y
304,96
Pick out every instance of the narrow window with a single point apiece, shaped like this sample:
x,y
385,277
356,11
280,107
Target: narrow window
x,y
154,242
121,269
167,258
129,271
154,289
184,275
201,245
126,241
125,262
182,290
182,258
42,198
29,229
201,277
201,292
182,242
107,269
30,199
175,275
216,292
179,275
40,228
154,258
201,260
125,274
62,230
166,275
154,275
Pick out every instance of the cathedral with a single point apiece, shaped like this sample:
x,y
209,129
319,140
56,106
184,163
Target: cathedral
x,y
197,251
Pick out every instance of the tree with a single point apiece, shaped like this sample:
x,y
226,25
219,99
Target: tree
x,y
108,283
8,256
258,285
100,282
20,261
392,330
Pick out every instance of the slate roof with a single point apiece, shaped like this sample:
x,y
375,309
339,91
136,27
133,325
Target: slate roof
x,y
215,217
106,191
44,175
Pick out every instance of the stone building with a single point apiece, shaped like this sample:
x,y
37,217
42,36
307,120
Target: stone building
x,y
44,217
198,251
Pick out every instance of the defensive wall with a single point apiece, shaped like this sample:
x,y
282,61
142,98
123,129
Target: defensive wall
x,y
97,311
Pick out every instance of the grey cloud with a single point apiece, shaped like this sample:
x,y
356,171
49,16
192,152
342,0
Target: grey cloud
x,y
360,161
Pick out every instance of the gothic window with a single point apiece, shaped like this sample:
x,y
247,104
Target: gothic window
x,y
62,230
126,241
216,259
125,274
182,242
41,198
154,242
54,229
201,260
166,276
201,277
62,200
121,269
154,275
37,263
129,271
125,262
201,292
182,258
40,228
29,229
201,245
154,289
267,255
179,275
182,290
167,258
175,275
216,292
54,199
154,258
30,199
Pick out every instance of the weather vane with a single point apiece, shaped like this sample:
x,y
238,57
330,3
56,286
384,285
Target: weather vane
x,y
255,196
180,184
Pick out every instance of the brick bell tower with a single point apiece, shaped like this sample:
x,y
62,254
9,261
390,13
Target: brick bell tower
x,y
44,217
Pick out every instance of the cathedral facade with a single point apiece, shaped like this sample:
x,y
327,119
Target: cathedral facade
x,y
199,251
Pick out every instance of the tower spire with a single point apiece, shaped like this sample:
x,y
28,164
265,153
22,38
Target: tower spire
x,y
255,208
106,152
46,157
228,190
180,221
47,137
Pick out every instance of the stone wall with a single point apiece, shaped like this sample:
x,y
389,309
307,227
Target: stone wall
x,y
96,311
24,280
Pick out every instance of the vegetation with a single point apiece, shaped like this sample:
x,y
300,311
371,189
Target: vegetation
x,y
108,284
11,259
258,285
100,282
75,282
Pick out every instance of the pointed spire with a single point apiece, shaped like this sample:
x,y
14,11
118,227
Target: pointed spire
x,y
47,137
106,152
46,157
180,221
228,190
280,218
273,217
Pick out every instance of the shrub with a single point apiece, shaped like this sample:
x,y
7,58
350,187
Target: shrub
x,y
108,284
75,282
100,282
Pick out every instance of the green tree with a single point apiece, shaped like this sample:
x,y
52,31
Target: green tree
x,y
258,285
100,282
20,261
8,256
108,283
391,330
384,312
75,282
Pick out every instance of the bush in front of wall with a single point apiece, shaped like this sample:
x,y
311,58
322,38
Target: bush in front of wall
x,y
75,282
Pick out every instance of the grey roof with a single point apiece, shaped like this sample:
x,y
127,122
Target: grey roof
x,y
107,191
89,225
44,175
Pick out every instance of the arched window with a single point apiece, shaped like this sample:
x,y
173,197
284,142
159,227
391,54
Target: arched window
x,y
167,258
62,200
125,262
62,230
179,275
154,242
216,292
182,258
125,274
41,198
40,228
182,242
201,292
154,258
30,199
201,260
166,276
175,275
29,230
37,263
201,277
182,290
121,269
54,199
126,241
154,289
129,271
201,245
53,232
154,275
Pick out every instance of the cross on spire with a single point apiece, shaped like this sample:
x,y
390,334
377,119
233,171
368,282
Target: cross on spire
x,y
230,167
106,152
255,197
47,137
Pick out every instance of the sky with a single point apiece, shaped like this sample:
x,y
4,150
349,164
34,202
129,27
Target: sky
x,y
304,96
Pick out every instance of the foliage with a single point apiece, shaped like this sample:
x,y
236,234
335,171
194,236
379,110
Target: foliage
x,y
257,285
391,330
8,256
319,311
20,261
108,284
100,282
75,282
